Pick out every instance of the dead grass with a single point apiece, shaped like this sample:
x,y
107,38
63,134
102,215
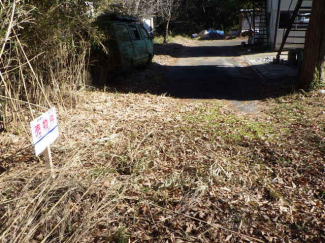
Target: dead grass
x,y
146,168
137,167
41,63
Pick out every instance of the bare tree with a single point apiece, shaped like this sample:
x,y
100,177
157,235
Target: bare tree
x,y
168,11
137,8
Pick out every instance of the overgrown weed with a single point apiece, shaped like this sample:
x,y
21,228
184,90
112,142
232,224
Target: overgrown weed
x,y
172,39
150,168
45,49
140,167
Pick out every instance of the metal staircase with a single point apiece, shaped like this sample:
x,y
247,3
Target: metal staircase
x,y
298,23
260,22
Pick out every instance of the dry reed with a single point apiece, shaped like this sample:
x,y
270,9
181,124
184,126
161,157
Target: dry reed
x,y
146,168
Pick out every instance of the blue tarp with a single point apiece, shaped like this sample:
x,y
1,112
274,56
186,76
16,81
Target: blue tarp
x,y
219,32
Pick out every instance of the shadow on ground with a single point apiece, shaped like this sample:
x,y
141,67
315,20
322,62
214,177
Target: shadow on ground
x,y
192,51
197,87
207,81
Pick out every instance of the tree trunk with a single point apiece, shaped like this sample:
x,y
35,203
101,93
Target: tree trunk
x,y
240,27
136,11
166,32
250,32
313,67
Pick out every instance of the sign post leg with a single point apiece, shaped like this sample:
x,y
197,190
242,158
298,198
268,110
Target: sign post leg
x,y
48,158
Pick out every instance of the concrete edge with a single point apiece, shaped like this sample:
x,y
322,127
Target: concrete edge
x,y
258,72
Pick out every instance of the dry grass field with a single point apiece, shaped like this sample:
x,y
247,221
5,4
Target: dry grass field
x,y
139,167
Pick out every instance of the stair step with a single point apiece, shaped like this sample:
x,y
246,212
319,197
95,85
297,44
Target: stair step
x,y
300,30
297,37
293,43
301,15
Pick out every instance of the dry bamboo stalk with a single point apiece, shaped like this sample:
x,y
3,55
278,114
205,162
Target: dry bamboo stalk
x,y
9,28
40,84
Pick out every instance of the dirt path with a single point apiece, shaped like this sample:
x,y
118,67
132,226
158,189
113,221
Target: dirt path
x,y
214,70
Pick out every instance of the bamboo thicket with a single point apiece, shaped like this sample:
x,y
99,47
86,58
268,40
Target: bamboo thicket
x,y
44,53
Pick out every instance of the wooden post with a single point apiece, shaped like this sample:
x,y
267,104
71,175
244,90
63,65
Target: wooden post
x,y
313,67
48,158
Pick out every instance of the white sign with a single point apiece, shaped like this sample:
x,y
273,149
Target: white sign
x,y
45,130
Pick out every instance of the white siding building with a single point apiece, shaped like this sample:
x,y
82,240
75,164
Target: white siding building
x,y
148,24
279,13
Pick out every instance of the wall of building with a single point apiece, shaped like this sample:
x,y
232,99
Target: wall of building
x,y
285,6
148,24
246,24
